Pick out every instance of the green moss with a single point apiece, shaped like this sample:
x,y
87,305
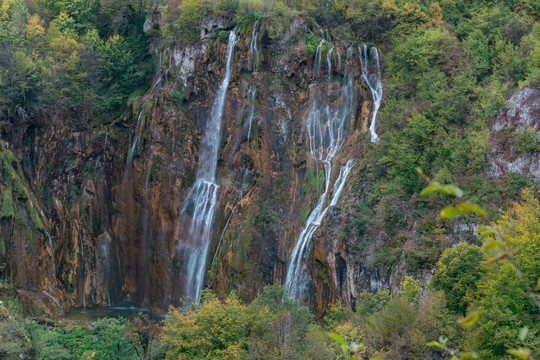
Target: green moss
x,y
34,216
2,247
304,213
8,209
29,238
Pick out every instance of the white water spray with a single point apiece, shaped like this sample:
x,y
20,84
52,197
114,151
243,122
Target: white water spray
x,y
373,79
326,128
251,96
55,301
201,200
253,51
107,272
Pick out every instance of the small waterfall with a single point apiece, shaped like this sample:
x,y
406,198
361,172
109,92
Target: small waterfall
x,y
105,147
253,51
83,268
339,62
135,140
223,234
55,301
107,269
326,128
169,66
201,200
251,96
329,62
373,79
317,68
50,242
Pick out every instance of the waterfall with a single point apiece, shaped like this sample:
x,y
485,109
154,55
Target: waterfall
x,y
326,128
201,200
135,140
50,242
374,82
107,270
329,63
105,147
169,66
83,269
253,52
251,96
55,301
339,62
317,67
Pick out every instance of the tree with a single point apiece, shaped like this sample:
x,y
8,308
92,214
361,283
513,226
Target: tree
x,y
458,272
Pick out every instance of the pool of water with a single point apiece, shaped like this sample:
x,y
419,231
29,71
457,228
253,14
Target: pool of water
x,y
121,310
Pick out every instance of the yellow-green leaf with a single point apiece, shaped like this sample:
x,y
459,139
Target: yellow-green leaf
x,y
338,338
520,353
485,231
435,187
469,320
466,207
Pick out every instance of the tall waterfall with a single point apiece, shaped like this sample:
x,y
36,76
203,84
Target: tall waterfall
x,y
373,79
326,128
201,200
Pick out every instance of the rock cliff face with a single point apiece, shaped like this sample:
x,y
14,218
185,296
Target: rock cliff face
x,y
111,196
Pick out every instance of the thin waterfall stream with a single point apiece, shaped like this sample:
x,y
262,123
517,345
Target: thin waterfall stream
x,y
373,79
83,268
55,301
201,200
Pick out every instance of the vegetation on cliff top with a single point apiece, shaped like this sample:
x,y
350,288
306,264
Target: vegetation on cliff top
x,y
448,69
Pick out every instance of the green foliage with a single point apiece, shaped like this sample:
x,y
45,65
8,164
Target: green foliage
x,y
310,45
223,36
47,62
512,270
526,141
459,271
230,329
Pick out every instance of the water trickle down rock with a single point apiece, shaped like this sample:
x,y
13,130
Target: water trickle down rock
x,y
326,128
83,269
253,51
373,79
138,128
201,201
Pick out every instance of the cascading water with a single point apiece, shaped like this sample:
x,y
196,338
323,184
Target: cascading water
x,y
253,51
373,79
83,268
50,242
55,301
326,128
106,269
251,96
201,200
